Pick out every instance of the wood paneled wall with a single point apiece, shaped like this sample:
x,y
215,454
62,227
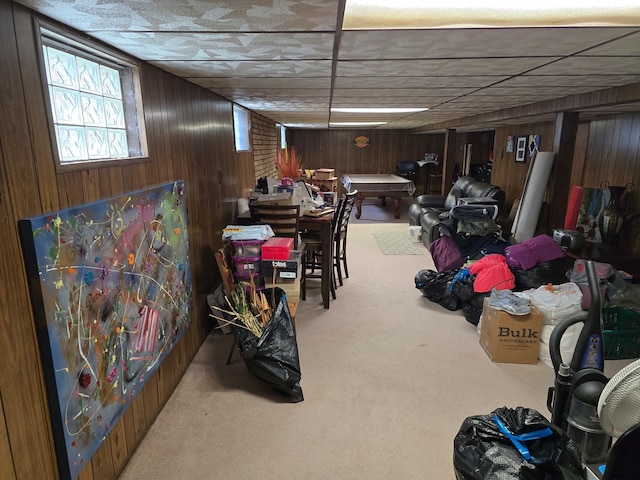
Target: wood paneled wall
x,y
336,149
190,134
613,155
606,149
506,173
190,137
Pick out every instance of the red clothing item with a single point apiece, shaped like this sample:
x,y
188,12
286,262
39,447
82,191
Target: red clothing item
x,y
491,272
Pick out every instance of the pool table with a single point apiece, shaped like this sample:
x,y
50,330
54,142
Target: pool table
x,y
378,185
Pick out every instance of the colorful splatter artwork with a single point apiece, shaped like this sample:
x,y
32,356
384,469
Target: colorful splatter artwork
x,y
111,289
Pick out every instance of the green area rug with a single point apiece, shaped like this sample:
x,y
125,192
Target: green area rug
x,y
397,244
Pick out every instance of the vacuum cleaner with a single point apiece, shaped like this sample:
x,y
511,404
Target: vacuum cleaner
x,y
573,400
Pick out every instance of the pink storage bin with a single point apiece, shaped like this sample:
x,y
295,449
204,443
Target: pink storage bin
x,y
247,264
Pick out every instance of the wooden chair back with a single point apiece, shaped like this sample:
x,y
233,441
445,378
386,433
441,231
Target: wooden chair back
x,y
345,213
284,220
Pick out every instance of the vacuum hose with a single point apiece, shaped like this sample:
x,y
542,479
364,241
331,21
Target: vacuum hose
x,y
588,352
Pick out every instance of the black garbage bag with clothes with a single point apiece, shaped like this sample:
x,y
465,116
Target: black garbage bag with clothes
x,y
514,444
553,271
472,302
274,356
436,286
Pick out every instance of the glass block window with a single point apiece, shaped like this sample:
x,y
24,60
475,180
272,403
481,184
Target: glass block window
x,y
93,120
241,128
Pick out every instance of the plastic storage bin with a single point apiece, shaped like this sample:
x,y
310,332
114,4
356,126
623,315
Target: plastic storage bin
x,y
258,279
247,264
277,248
621,333
247,248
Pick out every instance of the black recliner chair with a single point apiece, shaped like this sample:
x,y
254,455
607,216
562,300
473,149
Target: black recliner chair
x,y
429,211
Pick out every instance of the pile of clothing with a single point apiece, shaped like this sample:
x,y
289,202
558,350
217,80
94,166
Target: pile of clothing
x,y
464,284
531,273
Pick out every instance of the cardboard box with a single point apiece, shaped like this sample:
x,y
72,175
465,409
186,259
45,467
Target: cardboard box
x,y
325,173
510,338
278,198
291,287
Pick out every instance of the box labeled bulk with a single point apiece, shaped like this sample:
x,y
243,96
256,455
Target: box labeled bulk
x,y
277,248
510,338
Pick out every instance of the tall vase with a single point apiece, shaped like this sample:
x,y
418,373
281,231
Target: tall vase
x,y
612,216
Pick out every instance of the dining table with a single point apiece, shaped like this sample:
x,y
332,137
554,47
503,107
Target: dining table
x,y
321,227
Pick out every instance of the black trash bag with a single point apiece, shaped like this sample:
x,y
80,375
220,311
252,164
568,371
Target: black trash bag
x,y
274,356
553,271
472,309
462,285
436,287
482,451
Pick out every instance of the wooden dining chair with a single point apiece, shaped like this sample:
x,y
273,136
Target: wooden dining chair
x,y
340,236
313,248
284,220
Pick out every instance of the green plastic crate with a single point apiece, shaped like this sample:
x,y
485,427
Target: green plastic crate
x,y
621,333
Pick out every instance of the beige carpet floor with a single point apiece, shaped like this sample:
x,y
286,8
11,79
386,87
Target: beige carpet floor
x,y
388,377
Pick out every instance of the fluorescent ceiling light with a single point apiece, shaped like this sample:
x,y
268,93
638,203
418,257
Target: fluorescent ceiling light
x,y
376,110
354,124
380,14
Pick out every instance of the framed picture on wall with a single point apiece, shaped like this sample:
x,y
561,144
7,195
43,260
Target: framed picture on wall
x,y
521,149
509,148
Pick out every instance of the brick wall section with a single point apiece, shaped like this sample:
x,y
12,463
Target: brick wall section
x,y
265,143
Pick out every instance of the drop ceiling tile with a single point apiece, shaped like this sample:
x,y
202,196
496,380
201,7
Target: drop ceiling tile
x,y
278,95
591,65
629,45
549,91
161,46
464,66
291,105
472,42
194,15
375,101
259,69
422,82
429,93
599,80
234,83
232,48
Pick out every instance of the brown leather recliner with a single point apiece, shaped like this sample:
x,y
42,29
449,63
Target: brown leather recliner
x,y
430,210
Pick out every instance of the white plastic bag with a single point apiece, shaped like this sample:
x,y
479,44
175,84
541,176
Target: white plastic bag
x,y
556,302
567,343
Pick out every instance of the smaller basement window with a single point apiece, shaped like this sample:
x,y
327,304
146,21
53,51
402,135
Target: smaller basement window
x,y
242,128
94,99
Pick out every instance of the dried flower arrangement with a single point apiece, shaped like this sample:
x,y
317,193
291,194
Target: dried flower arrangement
x,y
249,309
288,163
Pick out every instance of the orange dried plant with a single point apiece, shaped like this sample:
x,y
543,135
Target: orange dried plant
x,y
288,163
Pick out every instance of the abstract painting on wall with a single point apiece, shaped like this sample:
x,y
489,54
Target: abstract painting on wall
x,y
110,285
